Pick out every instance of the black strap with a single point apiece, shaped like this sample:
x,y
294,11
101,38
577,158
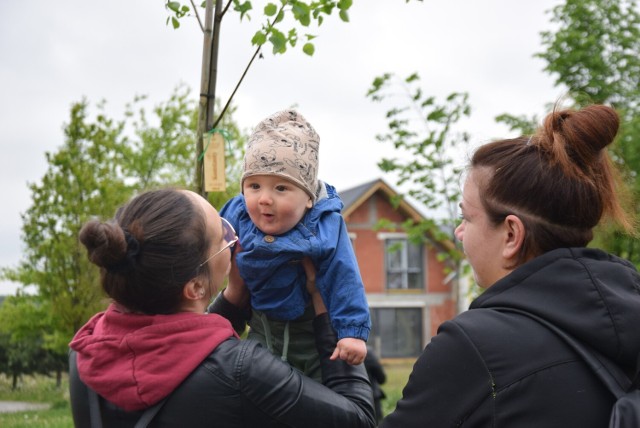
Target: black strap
x,y
96,419
608,372
94,409
149,414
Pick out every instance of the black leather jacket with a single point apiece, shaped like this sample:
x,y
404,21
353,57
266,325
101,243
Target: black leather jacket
x,y
492,367
241,384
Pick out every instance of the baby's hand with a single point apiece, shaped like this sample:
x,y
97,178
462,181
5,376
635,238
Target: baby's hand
x,y
351,350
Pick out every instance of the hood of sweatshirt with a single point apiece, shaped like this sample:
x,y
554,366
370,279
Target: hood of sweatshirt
x,y
136,360
589,294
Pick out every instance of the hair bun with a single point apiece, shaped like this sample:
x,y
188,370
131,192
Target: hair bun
x,y
595,126
575,138
126,263
105,242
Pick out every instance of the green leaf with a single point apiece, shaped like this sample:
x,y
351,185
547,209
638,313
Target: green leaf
x,y
174,6
279,41
308,48
345,4
293,37
175,22
412,78
344,16
302,13
259,39
270,9
243,8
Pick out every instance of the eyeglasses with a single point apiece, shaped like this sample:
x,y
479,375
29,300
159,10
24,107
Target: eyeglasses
x,y
229,236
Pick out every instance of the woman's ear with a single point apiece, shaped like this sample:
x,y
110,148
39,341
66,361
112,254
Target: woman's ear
x,y
193,290
514,239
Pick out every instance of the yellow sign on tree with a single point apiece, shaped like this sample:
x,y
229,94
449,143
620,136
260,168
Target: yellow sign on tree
x,y
214,168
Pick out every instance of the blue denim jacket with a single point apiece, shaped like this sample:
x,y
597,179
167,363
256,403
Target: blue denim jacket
x,y
271,269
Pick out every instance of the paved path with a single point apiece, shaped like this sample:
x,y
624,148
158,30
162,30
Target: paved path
x,y
21,406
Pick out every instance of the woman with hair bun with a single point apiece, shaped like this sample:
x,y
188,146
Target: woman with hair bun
x,y
155,355
529,206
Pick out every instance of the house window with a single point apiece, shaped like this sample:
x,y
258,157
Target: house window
x,y
398,331
404,264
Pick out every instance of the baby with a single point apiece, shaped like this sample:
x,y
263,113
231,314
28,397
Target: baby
x,y
285,214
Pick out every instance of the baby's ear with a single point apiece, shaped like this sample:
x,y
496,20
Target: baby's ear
x,y
309,203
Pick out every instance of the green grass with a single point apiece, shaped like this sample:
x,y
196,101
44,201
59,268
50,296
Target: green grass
x,y
37,389
42,389
397,376
53,418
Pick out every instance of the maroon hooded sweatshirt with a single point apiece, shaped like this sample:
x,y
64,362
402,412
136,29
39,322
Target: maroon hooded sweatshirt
x,y
136,360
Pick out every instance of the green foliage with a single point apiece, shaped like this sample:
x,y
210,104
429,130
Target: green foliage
x,y
421,133
178,10
84,179
595,53
161,153
303,14
523,124
28,342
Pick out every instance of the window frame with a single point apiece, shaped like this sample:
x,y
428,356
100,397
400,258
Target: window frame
x,y
406,319
405,270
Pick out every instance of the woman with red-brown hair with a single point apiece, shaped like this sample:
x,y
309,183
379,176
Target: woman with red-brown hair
x,y
529,206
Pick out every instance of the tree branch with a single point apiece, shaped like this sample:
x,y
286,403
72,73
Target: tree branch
x,y
225,9
255,54
195,9
226,106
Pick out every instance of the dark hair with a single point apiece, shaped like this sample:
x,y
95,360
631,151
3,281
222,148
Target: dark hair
x,y
560,182
152,248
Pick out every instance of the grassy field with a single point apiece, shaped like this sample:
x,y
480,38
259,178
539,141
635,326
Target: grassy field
x,y
37,389
397,376
41,389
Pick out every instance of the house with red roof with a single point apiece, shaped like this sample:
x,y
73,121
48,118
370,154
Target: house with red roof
x,y
410,293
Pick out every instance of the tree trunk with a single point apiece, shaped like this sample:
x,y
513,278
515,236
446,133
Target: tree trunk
x,y
213,19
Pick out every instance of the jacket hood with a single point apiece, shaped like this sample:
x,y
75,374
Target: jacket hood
x,y
328,202
136,360
591,295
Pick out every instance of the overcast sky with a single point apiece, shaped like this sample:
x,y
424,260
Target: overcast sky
x,y
53,54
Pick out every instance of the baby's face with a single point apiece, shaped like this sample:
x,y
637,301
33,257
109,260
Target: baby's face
x,y
275,204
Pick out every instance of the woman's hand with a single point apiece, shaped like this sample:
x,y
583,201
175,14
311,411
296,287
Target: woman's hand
x,y
316,298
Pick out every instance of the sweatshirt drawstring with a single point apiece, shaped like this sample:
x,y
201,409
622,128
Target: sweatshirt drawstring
x,y
269,337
